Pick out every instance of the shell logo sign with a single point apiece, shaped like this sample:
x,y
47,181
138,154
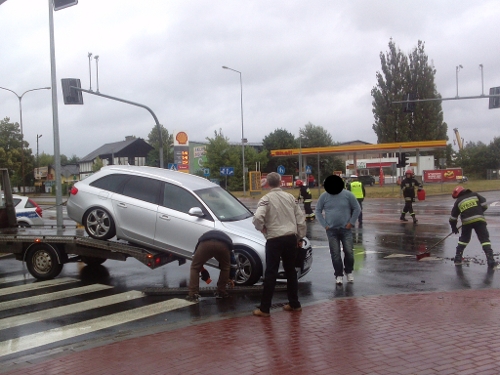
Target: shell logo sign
x,y
181,139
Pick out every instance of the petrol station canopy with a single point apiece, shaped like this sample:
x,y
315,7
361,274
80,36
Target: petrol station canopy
x,y
366,149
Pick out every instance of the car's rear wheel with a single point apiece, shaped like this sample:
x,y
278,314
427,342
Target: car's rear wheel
x,y
99,224
249,267
43,261
22,224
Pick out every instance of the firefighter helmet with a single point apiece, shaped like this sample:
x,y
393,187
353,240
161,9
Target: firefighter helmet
x,y
409,171
299,183
457,191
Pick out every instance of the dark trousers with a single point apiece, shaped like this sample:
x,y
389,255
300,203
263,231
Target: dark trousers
x,y
309,212
205,251
408,207
481,232
360,217
284,248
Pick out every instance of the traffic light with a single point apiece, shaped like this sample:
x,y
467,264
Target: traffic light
x,y
495,101
71,96
402,160
409,107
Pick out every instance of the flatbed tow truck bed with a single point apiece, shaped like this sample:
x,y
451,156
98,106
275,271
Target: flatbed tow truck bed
x,y
46,249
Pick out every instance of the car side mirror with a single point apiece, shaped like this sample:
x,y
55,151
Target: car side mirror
x,y
196,211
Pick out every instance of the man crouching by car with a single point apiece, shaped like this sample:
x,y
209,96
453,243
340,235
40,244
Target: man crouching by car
x,y
212,244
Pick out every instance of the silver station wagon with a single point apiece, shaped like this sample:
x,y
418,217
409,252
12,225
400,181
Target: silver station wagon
x,y
168,211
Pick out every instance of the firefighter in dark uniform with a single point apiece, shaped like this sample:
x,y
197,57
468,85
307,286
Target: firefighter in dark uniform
x,y
305,195
470,207
358,189
408,186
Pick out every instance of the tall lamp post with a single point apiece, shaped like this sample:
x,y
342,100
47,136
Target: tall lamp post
x,y
243,140
38,136
458,69
20,98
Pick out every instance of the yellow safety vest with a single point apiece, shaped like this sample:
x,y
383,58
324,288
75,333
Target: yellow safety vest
x,y
357,189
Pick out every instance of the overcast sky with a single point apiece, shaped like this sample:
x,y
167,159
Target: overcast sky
x,y
301,61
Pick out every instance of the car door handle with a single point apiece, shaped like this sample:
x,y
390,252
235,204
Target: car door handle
x,y
122,205
165,217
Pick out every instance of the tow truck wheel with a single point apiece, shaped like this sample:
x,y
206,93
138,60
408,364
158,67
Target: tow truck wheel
x,y
43,262
99,224
250,268
93,261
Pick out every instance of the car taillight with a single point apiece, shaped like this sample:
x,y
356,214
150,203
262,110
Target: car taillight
x,y
38,209
73,191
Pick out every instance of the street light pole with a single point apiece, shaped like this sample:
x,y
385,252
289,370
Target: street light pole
x,y
242,133
458,69
20,98
38,136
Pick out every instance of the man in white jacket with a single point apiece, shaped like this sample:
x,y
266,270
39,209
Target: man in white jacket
x,y
282,222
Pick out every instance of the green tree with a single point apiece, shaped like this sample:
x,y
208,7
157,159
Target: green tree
x,y
153,158
316,136
278,140
404,77
10,149
221,154
98,164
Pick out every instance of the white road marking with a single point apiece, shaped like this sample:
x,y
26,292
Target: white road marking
x,y
21,302
77,329
398,256
56,312
36,285
12,279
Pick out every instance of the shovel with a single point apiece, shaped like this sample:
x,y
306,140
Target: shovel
x,y
427,252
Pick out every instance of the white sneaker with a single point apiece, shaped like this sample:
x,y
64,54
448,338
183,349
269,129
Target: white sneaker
x,y
339,280
350,278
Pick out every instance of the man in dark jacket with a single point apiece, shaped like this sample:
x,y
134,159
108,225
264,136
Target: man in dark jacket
x,y
470,207
212,244
408,186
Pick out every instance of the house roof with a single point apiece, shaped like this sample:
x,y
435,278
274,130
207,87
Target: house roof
x,y
69,170
128,147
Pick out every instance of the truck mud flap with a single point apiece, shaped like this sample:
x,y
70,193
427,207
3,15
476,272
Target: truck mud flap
x,y
204,292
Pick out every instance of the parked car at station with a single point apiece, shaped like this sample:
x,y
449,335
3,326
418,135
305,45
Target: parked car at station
x,y
367,180
168,211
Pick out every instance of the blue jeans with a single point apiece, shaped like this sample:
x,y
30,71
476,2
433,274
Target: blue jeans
x,y
335,237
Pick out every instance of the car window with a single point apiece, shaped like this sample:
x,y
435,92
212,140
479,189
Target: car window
x,y
30,204
225,206
16,201
110,182
145,189
179,199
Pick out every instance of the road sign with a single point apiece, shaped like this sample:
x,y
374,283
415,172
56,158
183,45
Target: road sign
x,y
206,171
309,169
281,170
227,171
172,166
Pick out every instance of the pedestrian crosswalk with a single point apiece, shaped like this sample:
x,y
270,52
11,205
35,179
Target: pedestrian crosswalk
x,y
16,300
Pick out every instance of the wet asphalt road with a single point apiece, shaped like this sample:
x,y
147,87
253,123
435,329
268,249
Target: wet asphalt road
x,y
385,263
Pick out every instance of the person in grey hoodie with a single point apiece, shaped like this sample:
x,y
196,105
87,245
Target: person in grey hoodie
x,y
337,210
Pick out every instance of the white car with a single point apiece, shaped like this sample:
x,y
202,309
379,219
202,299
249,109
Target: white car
x,y
167,210
28,212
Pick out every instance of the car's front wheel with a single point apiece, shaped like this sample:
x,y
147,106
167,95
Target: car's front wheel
x,y
248,267
99,224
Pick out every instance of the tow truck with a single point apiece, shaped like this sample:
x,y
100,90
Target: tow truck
x,y
46,249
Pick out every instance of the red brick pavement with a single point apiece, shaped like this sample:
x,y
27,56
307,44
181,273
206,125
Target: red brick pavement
x,y
429,333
